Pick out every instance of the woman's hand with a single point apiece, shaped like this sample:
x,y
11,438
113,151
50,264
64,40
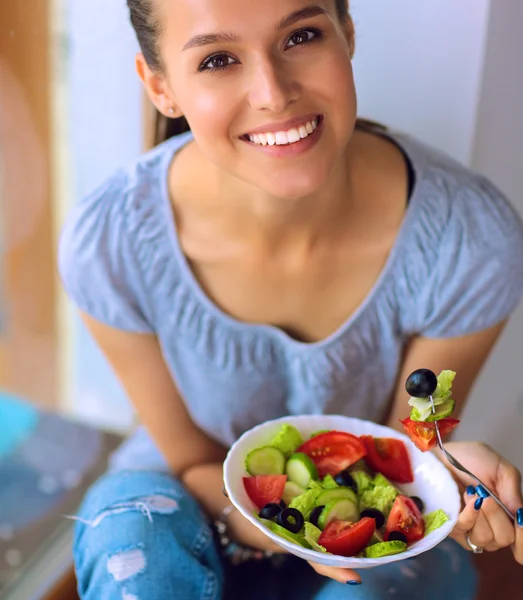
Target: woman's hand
x,y
337,573
489,527
244,532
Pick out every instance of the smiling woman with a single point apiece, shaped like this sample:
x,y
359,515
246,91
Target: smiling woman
x,y
148,32
277,259
210,63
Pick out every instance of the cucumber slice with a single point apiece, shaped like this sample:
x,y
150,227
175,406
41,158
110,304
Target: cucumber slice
x,y
445,409
385,549
328,495
300,469
442,411
339,508
265,461
292,490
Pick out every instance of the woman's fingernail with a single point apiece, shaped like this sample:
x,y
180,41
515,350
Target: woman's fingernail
x,y
482,492
471,490
478,503
353,582
519,517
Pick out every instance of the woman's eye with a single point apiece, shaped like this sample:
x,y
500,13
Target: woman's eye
x,y
304,37
216,62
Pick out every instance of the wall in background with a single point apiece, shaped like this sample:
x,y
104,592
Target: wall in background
x,y
418,67
498,152
105,108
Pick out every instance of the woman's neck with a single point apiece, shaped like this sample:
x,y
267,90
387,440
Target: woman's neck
x,y
249,215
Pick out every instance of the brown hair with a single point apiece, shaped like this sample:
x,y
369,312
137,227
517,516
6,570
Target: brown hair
x,y
148,32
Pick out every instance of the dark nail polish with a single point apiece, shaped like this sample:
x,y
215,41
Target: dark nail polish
x,y
471,490
482,492
519,517
478,503
353,582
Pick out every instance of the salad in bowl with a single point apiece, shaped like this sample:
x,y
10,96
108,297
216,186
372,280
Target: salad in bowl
x,y
341,491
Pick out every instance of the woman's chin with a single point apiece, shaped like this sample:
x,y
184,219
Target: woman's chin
x,y
294,186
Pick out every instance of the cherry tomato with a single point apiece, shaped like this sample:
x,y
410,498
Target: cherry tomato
x,y
405,517
423,434
265,489
388,456
333,451
345,538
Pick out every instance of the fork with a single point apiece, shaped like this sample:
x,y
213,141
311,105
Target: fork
x,y
456,464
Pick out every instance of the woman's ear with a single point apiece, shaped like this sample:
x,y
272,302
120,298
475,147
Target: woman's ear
x,y
350,34
156,88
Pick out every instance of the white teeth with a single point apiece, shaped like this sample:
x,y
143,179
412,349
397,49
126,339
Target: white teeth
x,y
283,138
293,135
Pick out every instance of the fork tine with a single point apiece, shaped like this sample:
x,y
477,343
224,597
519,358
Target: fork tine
x,y
456,464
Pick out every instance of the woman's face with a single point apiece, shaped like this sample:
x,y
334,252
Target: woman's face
x,y
233,67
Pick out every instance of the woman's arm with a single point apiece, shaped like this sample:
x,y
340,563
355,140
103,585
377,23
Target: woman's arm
x,y
465,355
138,363
192,456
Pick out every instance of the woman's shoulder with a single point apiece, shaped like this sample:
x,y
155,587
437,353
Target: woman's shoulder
x,y
458,203
143,179
463,247
102,256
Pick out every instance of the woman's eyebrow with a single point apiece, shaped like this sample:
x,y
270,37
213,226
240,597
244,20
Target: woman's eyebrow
x,y
212,38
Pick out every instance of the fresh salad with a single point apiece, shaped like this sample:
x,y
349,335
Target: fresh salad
x,y
420,425
338,493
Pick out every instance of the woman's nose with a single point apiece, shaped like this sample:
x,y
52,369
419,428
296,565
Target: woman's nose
x,y
272,87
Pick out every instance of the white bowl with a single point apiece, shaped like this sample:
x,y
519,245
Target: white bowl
x,y
432,483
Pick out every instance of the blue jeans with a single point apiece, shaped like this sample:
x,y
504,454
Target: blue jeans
x,y
143,537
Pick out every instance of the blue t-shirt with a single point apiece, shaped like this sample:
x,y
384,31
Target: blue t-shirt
x,y
456,267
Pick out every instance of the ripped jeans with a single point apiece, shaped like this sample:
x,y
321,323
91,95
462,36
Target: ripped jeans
x,y
141,536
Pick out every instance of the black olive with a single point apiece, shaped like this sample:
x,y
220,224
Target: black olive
x,y
421,384
291,519
397,536
282,504
270,511
345,479
315,514
418,502
375,514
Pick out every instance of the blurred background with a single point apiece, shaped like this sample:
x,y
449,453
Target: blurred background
x,y
72,110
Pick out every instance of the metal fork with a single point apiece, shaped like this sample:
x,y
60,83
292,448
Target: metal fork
x,y
455,463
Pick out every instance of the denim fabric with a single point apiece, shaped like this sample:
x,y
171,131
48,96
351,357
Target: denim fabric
x,y
143,537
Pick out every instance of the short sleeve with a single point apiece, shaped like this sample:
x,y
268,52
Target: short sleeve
x,y
477,281
96,261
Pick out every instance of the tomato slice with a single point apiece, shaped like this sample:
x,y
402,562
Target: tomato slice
x,y
406,518
345,538
390,457
333,451
263,489
424,434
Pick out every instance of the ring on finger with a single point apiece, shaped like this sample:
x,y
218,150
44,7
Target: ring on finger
x,y
475,549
